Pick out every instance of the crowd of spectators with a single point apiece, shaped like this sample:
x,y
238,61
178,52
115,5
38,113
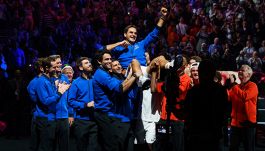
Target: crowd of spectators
x,y
231,32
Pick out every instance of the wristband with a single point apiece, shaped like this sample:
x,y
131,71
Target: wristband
x,y
134,75
59,93
163,18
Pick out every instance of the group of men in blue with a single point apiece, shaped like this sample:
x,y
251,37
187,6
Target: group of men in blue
x,y
102,105
50,114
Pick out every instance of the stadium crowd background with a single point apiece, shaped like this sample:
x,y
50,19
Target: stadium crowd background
x,y
232,32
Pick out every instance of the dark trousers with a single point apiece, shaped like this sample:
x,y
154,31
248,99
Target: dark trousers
x,y
86,135
46,130
35,136
108,132
126,138
138,132
203,142
62,134
203,139
245,135
172,142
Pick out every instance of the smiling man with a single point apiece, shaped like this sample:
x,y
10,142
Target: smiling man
x,y
48,98
244,110
107,90
194,74
64,113
125,107
129,48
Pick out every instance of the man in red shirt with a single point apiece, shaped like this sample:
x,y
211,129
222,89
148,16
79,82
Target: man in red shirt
x,y
244,110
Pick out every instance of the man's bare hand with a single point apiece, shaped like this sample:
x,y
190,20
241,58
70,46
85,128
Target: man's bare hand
x,y
62,87
231,77
124,43
162,61
164,11
70,121
154,65
90,104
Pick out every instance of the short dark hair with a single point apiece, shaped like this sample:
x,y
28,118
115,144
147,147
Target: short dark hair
x,y
114,59
38,63
79,61
47,63
196,58
54,57
100,55
207,71
129,26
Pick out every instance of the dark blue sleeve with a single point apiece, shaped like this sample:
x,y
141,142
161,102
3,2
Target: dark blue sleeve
x,y
32,90
69,108
64,78
132,94
72,97
91,92
110,82
117,49
151,37
46,93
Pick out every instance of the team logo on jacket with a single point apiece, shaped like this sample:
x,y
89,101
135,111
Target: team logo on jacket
x,y
135,47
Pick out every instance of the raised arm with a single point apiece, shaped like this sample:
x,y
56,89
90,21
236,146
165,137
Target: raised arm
x,y
123,43
163,17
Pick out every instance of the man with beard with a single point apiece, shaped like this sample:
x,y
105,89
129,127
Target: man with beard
x,y
48,97
107,90
125,108
81,98
64,114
